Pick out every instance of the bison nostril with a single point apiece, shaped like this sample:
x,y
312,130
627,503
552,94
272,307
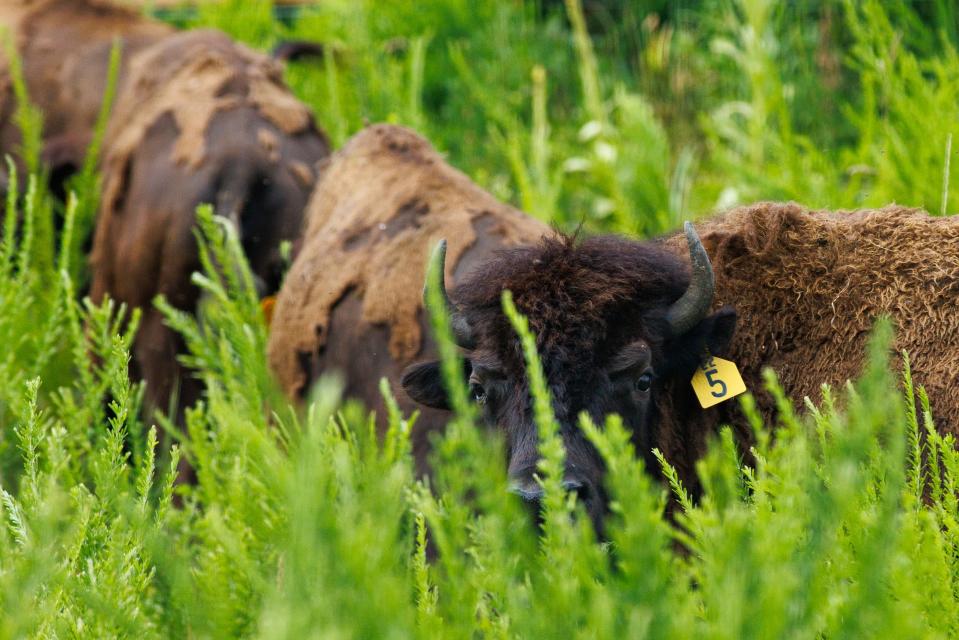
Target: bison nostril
x,y
581,489
527,489
530,490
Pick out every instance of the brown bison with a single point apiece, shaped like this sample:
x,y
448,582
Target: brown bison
x,y
352,299
621,325
64,46
200,119
617,321
807,287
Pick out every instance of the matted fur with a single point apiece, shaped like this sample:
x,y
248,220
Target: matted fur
x,y
584,298
383,202
201,119
192,76
808,286
64,46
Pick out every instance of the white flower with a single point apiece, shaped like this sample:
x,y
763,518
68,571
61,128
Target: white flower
x,y
590,130
576,165
605,152
728,198
602,207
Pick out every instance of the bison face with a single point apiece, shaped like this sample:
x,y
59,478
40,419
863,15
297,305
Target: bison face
x,y
620,328
260,178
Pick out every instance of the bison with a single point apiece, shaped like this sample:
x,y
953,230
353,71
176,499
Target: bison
x,y
200,119
622,325
351,300
807,287
64,46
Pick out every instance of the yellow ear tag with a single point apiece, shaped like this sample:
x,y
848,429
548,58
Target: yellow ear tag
x,y
717,380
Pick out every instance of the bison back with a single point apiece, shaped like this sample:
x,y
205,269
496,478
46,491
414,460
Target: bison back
x,y
808,286
352,300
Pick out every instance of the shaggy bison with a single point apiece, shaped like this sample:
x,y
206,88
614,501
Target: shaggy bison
x,y
621,325
200,119
352,299
807,287
64,46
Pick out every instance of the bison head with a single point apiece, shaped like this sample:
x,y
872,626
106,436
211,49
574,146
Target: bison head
x,y
620,328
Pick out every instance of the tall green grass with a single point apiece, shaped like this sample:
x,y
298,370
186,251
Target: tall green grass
x,y
632,116
305,522
311,525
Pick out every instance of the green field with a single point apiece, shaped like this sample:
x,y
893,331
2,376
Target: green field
x,y
627,117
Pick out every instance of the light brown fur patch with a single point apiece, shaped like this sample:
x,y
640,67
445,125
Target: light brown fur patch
x,y
269,142
379,207
302,172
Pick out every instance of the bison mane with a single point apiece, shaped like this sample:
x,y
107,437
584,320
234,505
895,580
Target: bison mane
x,y
582,298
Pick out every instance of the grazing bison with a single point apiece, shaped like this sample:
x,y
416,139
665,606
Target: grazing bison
x,y
621,325
200,119
352,299
64,46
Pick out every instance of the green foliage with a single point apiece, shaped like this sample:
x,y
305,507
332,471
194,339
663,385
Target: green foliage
x,y
311,525
632,117
308,523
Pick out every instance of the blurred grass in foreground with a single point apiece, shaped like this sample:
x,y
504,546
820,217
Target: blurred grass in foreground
x,y
311,526
305,524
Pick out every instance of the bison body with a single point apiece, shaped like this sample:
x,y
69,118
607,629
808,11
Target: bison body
x,y
808,286
352,301
64,47
605,310
201,119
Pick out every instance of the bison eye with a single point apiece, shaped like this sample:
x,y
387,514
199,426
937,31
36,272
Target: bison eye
x,y
478,393
644,382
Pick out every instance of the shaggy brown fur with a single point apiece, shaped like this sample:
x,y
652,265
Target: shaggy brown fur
x,y
805,289
352,300
200,119
65,47
808,285
191,77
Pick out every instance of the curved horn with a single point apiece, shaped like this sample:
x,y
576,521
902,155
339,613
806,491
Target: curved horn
x,y
694,303
462,332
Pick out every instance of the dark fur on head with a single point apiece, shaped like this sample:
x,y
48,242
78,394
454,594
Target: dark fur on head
x,y
598,309
584,300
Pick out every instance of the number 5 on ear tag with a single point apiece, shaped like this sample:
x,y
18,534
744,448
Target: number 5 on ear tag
x,y
717,380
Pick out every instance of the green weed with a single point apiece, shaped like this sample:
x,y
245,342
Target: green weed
x,y
305,522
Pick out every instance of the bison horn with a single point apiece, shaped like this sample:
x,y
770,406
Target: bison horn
x,y
462,331
694,303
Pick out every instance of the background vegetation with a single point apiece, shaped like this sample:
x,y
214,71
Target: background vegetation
x,y
628,116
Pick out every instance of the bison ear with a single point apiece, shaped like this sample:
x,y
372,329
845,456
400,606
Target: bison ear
x,y
423,382
718,330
